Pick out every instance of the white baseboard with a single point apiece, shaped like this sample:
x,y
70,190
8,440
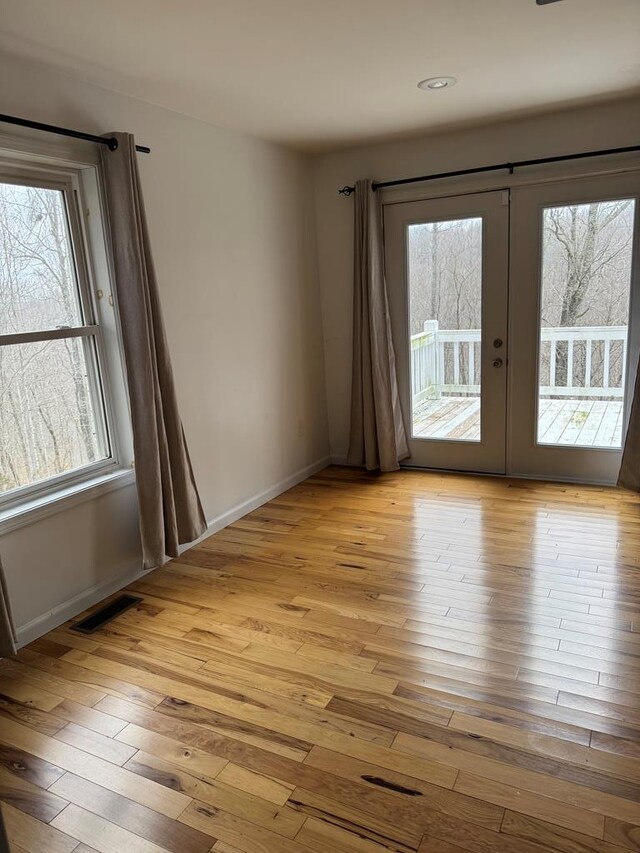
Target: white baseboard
x,y
236,512
68,609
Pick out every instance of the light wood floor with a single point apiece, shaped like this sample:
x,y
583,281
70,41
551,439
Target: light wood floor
x,y
409,662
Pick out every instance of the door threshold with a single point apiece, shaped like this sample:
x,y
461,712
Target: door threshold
x,y
513,476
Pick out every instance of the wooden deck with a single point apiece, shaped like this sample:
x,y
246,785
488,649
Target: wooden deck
x,y
409,662
448,418
587,423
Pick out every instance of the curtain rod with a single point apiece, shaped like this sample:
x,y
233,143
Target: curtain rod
x,y
498,166
111,141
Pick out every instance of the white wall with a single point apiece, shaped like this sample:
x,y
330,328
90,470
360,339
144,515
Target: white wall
x,y
232,224
605,126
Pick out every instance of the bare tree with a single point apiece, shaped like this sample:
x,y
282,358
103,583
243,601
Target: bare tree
x,y
583,242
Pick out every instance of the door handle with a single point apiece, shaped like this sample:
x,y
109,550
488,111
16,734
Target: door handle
x,y
497,362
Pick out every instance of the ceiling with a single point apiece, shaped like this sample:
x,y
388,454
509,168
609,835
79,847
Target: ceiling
x,y
317,74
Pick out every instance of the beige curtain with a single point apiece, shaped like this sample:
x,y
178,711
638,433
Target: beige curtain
x,y
7,631
629,475
169,506
377,438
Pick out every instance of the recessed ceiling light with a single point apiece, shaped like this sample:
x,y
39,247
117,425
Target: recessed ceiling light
x,y
436,83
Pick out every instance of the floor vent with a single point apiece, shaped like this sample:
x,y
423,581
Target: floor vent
x,y
106,614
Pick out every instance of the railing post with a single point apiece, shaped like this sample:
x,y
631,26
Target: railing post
x,y
456,362
569,363
431,327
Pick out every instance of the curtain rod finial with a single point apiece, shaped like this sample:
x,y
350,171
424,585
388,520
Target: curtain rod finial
x,y
112,143
346,190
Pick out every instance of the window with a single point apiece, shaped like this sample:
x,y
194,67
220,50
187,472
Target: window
x,y
56,415
587,260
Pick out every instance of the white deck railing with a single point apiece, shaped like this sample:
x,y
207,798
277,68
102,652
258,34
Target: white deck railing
x,y
447,361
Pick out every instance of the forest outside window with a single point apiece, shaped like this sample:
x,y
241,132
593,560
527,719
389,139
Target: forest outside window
x,y
54,410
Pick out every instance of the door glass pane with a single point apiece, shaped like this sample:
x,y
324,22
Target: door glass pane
x,y
38,287
445,309
50,415
584,318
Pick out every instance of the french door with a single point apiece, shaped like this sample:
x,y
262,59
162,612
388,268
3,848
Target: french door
x,y
516,323
447,272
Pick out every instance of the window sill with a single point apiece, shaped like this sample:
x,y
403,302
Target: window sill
x,y
37,508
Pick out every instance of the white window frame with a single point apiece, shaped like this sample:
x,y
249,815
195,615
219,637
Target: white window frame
x,y
87,223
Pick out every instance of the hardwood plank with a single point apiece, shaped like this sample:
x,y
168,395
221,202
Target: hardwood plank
x,y
24,795
95,744
553,748
28,767
325,836
38,720
271,790
531,804
89,718
622,833
33,835
24,674
616,745
103,835
241,834
554,837
169,834
474,839
27,694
